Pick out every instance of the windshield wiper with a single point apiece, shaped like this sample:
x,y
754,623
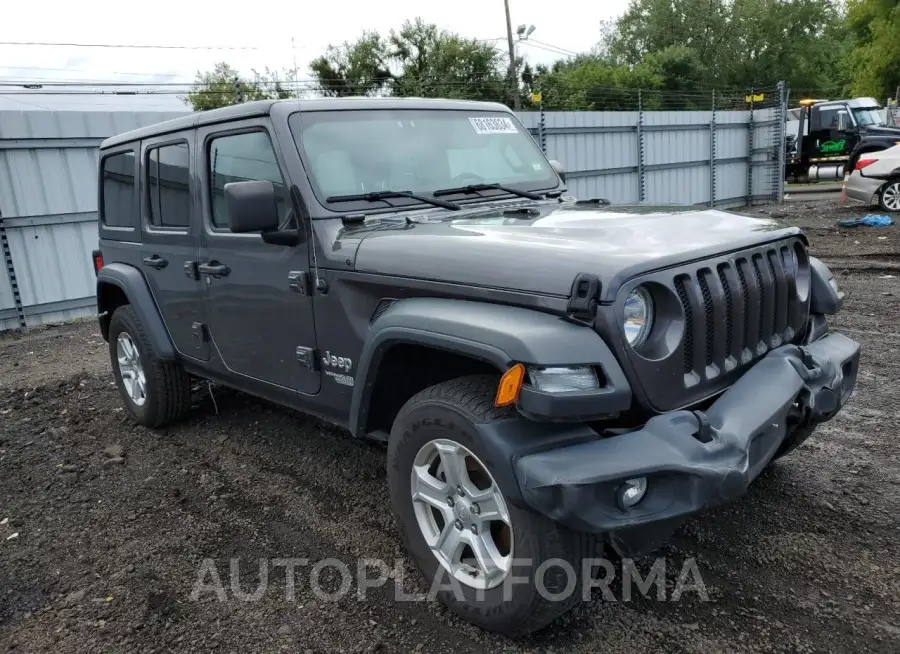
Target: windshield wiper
x,y
475,188
376,196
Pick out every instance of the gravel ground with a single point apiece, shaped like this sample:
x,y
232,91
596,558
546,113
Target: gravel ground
x,y
106,526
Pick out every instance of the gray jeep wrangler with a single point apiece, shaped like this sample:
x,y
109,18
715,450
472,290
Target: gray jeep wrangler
x,y
554,379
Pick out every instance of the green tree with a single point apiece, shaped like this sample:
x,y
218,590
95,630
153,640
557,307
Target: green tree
x,y
654,25
358,68
799,41
592,83
224,86
873,61
679,79
419,59
435,63
736,43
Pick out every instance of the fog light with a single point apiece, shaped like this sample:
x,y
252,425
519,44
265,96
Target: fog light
x,y
632,492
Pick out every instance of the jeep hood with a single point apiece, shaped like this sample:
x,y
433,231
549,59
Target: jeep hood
x,y
542,254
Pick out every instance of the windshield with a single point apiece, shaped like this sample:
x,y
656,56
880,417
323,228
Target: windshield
x,y
869,116
355,152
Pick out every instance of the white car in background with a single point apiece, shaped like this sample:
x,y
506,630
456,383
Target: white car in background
x,y
876,179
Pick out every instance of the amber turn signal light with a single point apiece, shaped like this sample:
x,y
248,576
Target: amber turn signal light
x,y
510,385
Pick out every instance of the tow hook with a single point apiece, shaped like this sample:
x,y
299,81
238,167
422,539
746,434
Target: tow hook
x,y
704,432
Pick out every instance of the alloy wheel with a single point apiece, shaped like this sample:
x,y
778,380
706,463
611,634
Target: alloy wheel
x,y
461,513
131,369
890,196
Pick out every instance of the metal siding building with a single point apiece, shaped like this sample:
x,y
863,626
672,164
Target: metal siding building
x,y
48,207
49,159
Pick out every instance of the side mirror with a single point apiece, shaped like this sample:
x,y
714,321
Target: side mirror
x,y
559,168
252,207
843,122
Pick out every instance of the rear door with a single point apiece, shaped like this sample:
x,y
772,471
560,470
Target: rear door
x,y
170,240
259,304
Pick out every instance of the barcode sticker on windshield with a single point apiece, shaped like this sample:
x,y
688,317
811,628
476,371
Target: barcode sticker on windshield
x,y
493,125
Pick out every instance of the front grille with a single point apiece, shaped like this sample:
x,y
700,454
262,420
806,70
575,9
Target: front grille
x,y
737,310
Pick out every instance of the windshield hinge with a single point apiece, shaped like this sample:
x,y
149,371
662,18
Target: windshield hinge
x,y
298,281
582,305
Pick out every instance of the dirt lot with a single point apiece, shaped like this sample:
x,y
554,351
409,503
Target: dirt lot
x,y
107,525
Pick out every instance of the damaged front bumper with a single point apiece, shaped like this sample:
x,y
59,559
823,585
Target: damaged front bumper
x,y
692,460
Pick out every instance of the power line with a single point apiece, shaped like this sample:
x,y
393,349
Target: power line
x,y
540,45
550,45
528,42
433,79
124,45
82,70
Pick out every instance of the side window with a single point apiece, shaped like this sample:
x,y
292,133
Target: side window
x,y
828,118
168,176
117,205
240,158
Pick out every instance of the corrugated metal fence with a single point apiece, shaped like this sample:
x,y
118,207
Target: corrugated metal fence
x,y
48,182
48,210
715,158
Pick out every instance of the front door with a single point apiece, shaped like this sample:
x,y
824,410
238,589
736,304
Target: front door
x,y
258,304
170,243
830,140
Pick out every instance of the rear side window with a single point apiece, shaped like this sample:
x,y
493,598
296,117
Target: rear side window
x,y
240,158
168,186
117,202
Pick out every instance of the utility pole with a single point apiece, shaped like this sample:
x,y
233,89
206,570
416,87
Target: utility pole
x,y
513,85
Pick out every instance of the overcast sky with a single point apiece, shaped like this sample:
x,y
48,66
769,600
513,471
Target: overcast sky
x,y
265,29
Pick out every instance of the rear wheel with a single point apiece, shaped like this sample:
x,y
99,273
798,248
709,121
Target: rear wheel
x,y
889,198
155,392
500,567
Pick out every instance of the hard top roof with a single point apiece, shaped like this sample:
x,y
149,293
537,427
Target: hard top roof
x,y
265,107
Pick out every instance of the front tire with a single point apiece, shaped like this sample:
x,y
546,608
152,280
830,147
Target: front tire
x,y
155,392
889,197
461,530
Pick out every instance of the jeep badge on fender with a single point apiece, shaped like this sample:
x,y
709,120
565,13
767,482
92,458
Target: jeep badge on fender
x,y
330,360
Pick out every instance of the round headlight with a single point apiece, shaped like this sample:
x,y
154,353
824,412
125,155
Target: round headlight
x,y
638,317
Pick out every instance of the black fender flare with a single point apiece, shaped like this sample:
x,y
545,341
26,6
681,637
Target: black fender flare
x,y
132,283
498,334
823,298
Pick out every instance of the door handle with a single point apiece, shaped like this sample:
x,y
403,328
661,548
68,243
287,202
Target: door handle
x,y
155,261
213,269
